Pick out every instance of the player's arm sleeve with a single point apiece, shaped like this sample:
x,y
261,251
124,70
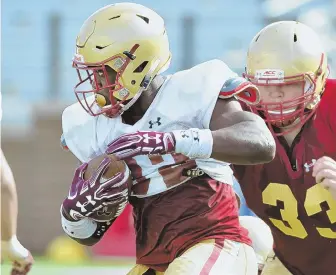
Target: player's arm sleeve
x,y
85,231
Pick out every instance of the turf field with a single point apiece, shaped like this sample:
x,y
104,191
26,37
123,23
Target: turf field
x,y
45,267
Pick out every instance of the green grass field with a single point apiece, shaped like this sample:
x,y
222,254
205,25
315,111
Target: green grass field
x,y
102,267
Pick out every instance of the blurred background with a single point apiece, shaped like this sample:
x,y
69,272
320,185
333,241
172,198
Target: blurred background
x,y
38,42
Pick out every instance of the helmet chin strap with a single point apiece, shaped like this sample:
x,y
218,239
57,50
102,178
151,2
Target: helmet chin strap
x,y
132,101
144,86
104,102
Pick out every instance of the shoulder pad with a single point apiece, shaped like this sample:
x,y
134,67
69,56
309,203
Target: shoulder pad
x,y
240,88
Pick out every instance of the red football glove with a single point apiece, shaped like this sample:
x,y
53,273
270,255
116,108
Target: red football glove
x,y
87,197
142,143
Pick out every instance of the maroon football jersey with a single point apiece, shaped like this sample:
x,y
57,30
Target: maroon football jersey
x,y
169,223
301,213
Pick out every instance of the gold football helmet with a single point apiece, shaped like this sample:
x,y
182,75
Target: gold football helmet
x,y
127,40
288,52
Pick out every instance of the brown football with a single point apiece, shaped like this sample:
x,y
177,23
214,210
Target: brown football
x,y
115,166
108,212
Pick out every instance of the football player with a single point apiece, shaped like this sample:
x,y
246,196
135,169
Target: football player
x,y
295,193
176,133
11,248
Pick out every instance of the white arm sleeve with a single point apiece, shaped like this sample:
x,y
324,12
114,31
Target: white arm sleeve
x,y
81,229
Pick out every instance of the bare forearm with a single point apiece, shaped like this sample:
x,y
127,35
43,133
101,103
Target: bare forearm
x,y
9,211
244,143
239,137
9,202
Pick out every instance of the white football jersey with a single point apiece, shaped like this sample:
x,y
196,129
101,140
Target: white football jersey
x,y
185,100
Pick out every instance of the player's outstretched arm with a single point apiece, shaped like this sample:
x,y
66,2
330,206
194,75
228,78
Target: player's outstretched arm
x,y
11,248
9,201
239,137
235,136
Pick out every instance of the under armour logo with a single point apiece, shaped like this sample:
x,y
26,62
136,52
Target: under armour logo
x,y
152,123
307,166
184,135
82,206
196,136
157,138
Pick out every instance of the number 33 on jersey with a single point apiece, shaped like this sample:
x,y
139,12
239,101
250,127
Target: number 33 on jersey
x,y
317,201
